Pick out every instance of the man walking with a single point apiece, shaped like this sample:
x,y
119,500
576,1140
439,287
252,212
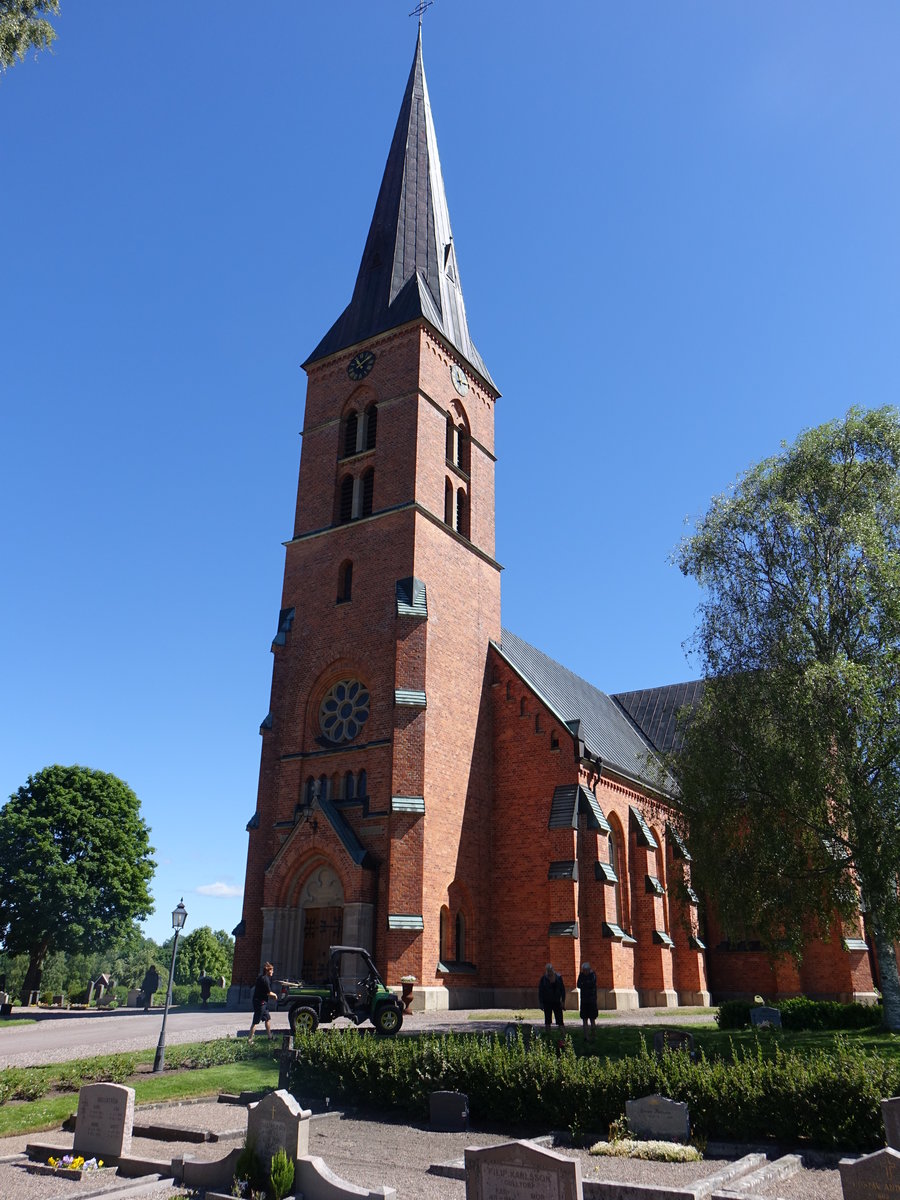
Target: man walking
x,y
262,994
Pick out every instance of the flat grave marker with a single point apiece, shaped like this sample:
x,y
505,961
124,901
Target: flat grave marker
x,y
105,1120
520,1171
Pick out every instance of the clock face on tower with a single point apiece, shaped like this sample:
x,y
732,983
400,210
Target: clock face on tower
x,y
458,375
361,364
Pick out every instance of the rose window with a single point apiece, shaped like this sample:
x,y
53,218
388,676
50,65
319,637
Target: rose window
x,y
344,710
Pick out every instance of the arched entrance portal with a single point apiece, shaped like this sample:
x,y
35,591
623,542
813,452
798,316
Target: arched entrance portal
x,y
322,905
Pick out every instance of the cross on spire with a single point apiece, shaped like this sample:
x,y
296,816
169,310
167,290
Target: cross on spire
x,y
419,10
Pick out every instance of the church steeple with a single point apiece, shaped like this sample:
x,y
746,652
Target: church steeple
x,y
408,268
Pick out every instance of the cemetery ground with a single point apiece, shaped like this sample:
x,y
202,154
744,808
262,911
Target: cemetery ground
x,y
396,1154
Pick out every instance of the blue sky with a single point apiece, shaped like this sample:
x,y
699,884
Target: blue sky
x,y
677,233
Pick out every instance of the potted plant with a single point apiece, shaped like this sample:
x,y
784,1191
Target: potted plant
x,y
406,992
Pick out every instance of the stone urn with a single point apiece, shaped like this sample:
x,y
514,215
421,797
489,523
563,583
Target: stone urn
x,y
406,992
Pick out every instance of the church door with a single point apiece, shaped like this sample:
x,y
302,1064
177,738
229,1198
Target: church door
x,y
321,929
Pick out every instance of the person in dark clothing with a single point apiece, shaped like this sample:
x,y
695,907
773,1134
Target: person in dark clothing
x,y
149,986
551,994
587,991
262,994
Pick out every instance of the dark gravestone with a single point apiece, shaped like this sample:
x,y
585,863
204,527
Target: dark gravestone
x,y
513,1031
674,1039
449,1112
654,1117
764,1017
890,1111
874,1177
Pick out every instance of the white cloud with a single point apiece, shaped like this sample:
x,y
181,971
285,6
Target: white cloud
x,y
221,890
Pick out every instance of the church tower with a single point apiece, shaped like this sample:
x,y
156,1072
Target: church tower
x,y
373,818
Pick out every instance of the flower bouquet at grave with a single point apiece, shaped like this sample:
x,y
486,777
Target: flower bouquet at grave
x,y
73,1162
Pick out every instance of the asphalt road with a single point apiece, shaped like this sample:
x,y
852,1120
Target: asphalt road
x,y
59,1036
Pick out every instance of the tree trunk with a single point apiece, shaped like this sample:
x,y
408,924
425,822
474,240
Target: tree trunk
x,y
890,978
32,981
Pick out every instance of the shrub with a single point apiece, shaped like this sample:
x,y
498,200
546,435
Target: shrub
x,y
801,1013
826,1100
281,1174
734,1014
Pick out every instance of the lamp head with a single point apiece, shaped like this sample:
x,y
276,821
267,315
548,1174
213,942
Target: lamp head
x,y
179,915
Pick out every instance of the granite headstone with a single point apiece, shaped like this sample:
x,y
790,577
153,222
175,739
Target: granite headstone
x,y
658,1117
873,1177
277,1122
521,1171
765,1017
890,1112
104,1121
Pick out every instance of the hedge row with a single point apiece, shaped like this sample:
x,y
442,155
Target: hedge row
x,y
800,1013
825,1100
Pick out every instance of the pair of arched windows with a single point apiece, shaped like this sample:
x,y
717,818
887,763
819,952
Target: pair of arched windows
x,y
355,494
456,508
360,431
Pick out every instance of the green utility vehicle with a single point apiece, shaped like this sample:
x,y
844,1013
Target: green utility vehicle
x,y
354,989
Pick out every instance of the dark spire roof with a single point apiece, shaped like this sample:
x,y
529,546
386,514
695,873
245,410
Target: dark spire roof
x,y
408,267
656,711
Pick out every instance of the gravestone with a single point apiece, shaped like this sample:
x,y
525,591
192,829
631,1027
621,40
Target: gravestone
x,y
449,1112
764,1017
521,1171
514,1030
105,1120
658,1117
890,1111
277,1122
674,1039
874,1177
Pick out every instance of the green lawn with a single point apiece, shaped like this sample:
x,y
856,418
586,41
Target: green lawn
x,y
6,1022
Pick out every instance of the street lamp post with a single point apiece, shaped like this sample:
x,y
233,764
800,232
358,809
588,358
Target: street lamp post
x,y
179,916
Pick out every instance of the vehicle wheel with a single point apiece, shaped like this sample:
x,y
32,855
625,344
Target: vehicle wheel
x,y
388,1020
303,1020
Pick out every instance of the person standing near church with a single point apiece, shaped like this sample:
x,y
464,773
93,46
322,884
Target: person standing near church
x,y
587,992
262,994
551,995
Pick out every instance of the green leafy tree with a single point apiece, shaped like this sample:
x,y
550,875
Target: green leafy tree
x,y
201,951
790,771
23,27
75,865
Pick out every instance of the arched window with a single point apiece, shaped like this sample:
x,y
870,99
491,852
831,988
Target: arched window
x,y
334,790
345,507
368,492
448,503
460,939
351,429
310,789
458,442
345,582
462,512
522,707
509,695
444,949
361,784
537,723
324,789
349,786
371,420
616,913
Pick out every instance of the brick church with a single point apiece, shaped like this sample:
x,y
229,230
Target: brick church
x,y
432,787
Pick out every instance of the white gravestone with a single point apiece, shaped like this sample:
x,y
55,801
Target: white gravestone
x,y
519,1171
104,1121
277,1122
658,1117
